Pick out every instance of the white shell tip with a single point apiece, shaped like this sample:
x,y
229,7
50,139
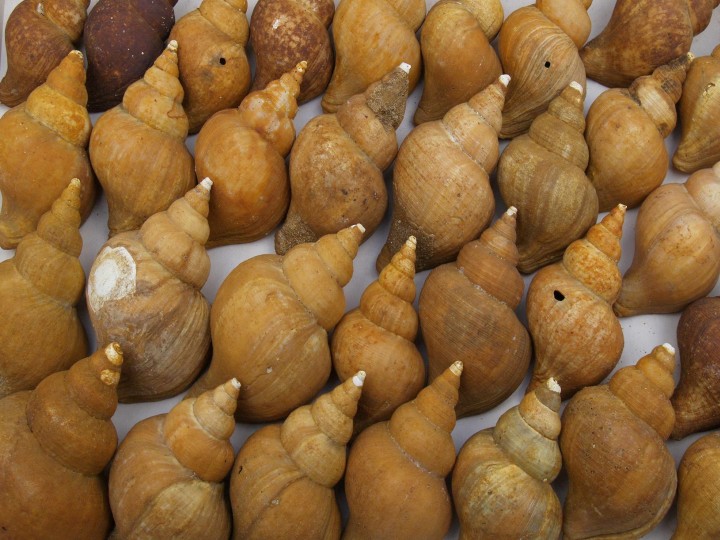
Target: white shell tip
x,y
206,183
114,354
669,348
77,53
512,211
553,385
411,241
172,45
457,368
360,227
75,182
405,67
359,379
577,86
236,383
504,79
622,207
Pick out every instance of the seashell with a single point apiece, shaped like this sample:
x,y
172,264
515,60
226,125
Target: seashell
x,y
697,397
214,68
55,443
402,464
166,480
137,149
698,498
144,292
243,150
542,173
501,481
337,164
446,202
459,60
578,339
270,321
122,38
283,478
44,145
380,335
625,133
621,474
677,247
40,287
371,37
283,33
38,35
538,48
642,35
467,313
699,108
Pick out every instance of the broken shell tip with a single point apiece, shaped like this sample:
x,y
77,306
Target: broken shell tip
x,y
405,67
113,353
553,385
359,379
577,86
504,79
669,348
457,368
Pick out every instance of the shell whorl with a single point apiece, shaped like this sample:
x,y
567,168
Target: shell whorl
x,y
593,260
197,431
60,104
570,16
228,16
491,261
315,435
423,426
646,388
704,188
176,237
156,99
70,411
528,432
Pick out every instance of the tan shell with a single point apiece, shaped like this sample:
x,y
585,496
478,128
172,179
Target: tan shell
x,y
467,313
625,132
371,37
402,464
55,443
577,337
677,247
501,481
379,338
542,174
43,146
144,292
138,148
38,35
621,474
40,288
446,202
270,321
214,68
283,478
243,150
459,60
166,480
337,164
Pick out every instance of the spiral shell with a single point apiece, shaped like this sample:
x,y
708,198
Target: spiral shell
x,y
166,480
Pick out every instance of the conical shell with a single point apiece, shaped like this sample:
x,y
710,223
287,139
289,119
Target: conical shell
x,y
577,337
379,338
642,35
625,132
699,109
144,292
38,35
402,464
166,480
283,478
138,148
542,174
43,146
337,164
501,481
371,37
243,150
677,247
40,287
698,500
697,398
459,60
467,313
538,48
270,321
285,32
54,444
441,183
621,475
214,68
122,38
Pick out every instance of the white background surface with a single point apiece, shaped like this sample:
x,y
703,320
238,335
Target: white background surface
x,y
642,333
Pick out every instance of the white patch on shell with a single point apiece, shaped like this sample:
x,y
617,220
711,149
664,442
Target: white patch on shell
x,y
275,24
112,278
